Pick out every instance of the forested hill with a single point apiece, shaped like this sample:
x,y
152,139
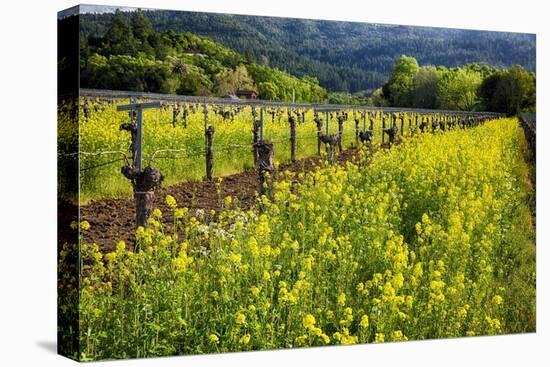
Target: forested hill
x,y
344,56
132,56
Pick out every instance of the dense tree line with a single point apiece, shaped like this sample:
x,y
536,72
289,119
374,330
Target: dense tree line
x,y
470,87
344,56
131,55
144,51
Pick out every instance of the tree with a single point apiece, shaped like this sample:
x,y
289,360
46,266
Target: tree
x,y
378,99
510,91
242,79
458,89
268,90
119,39
141,26
425,89
180,69
142,29
399,86
229,81
192,79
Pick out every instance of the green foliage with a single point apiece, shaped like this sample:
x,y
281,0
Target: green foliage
x,y
344,56
306,89
426,88
268,90
398,89
133,56
229,81
458,89
378,99
349,99
467,88
511,91
124,72
119,39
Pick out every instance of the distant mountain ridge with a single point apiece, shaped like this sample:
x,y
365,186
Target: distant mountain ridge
x,y
344,56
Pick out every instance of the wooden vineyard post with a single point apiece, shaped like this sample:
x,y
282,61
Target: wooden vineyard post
x,y
86,110
264,153
144,181
442,122
402,117
262,124
383,127
330,141
341,119
327,120
356,131
266,169
435,123
292,123
258,134
175,112
255,139
185,114
392,131
371,123
209,135
332,148
319,123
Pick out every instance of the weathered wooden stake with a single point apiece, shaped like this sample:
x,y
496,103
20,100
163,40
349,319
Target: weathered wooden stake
x,y
255,140
205,112
266,170
175,112
145,181
209,135
185,114
341,119
262,124
383,127
292,123
319,123
357,132
327,122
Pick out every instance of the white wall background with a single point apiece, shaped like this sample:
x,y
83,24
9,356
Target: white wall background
x,y
28,182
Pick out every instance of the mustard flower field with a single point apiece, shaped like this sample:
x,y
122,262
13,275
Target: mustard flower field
x,y
433,238
178,150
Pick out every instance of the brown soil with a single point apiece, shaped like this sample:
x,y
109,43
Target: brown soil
x,y
113,220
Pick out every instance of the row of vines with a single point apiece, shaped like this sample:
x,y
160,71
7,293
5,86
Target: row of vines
x,y
174,138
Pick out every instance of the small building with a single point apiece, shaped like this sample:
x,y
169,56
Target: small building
x,y
246,94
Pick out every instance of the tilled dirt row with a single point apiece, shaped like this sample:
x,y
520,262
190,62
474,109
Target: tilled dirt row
x,y
114,219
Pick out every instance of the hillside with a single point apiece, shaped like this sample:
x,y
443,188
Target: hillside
x,y
130,55
344,56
